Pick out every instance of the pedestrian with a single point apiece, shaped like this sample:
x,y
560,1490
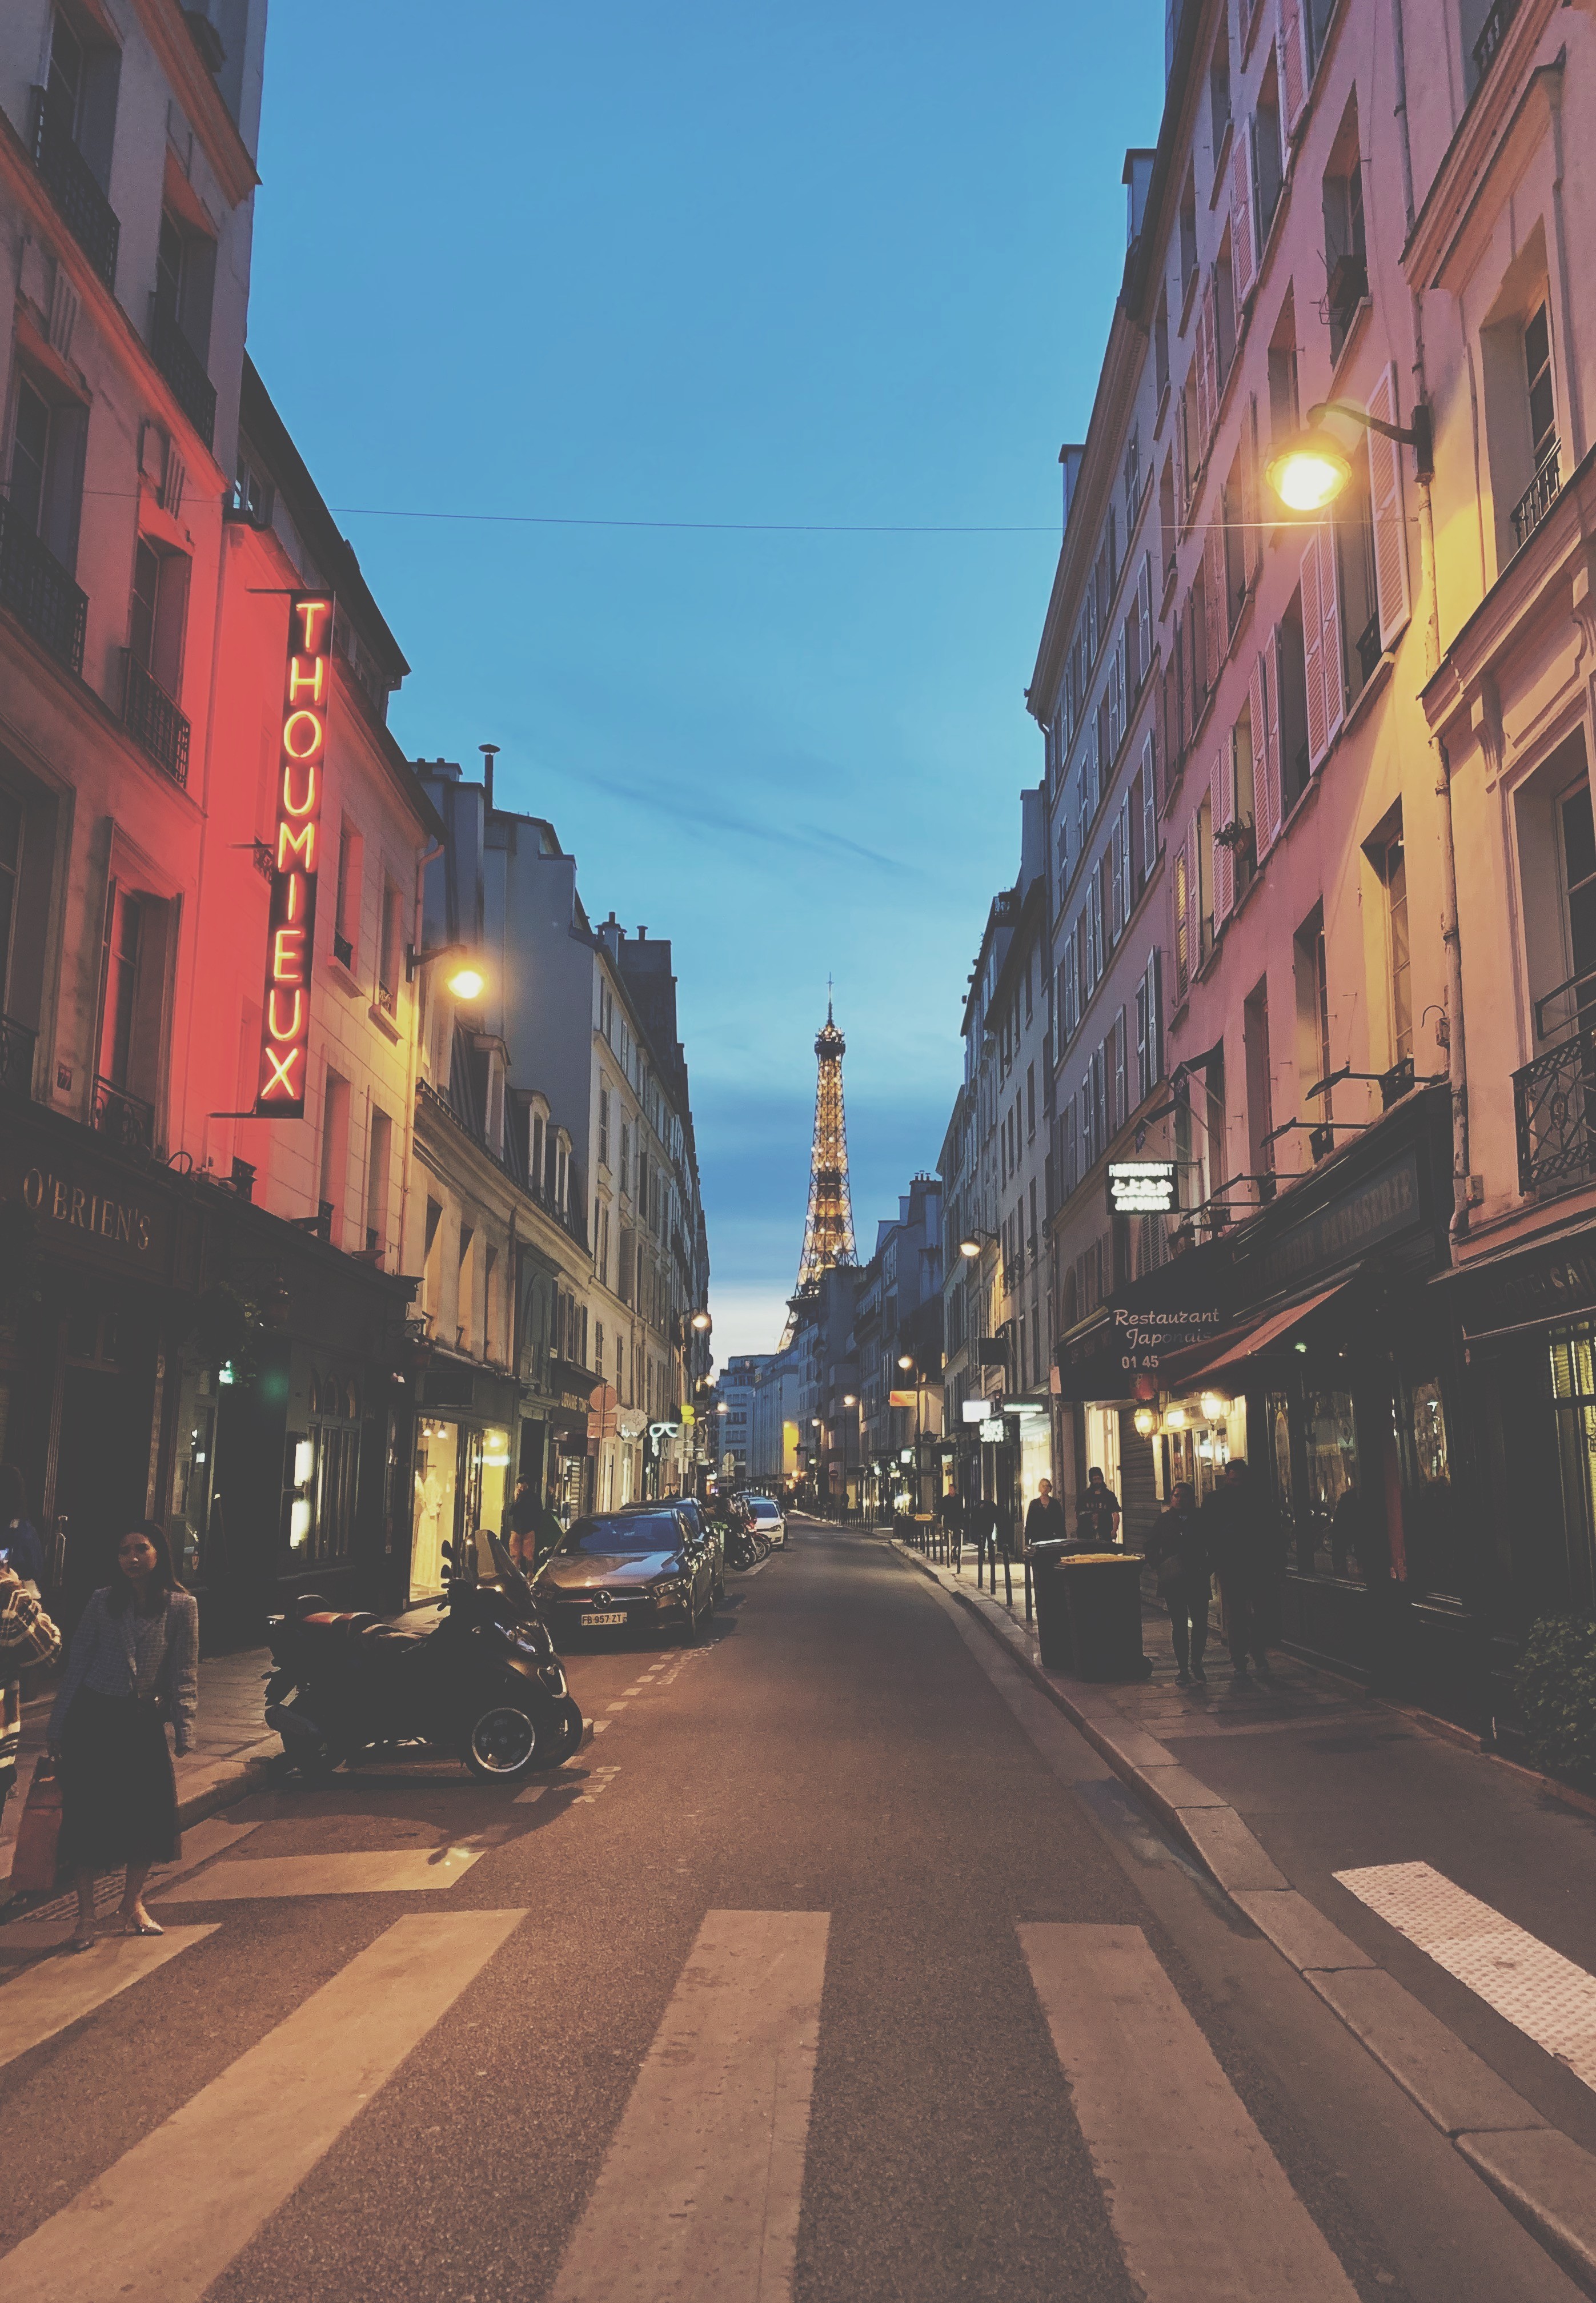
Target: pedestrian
x,y
1244,1547
27,1635
983,1527
523,1523
1097,1515
132,1667
1179,1548
1044,1520
21,1549
953,1518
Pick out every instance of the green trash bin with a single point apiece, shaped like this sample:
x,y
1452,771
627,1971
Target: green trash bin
x,y
1052,1611
1101,1591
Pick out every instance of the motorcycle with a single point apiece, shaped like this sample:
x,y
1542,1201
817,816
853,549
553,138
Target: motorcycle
x,y
483,1682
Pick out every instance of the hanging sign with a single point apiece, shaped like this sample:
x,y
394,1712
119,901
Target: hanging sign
x,y
1141,1187
290,941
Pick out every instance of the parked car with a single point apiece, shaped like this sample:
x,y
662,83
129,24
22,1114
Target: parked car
x,y
646,1567
769,1519
713,1532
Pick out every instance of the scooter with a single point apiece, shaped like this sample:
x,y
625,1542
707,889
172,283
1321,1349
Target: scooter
x,y
484,1682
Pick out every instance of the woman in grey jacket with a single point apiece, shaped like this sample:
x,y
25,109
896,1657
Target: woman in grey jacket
x,y
133,1666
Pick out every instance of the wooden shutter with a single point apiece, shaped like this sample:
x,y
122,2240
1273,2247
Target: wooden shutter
x,y
1155,1014
1216,607
1314,652
1149,808
1179,429
1208,380
1193,899
1125,897
1221,808
1391,529
1294,65
1266,755
1145,611
1242,270
1329,609
1179,921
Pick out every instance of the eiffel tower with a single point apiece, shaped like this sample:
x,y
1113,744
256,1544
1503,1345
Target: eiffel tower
x,y
828,1228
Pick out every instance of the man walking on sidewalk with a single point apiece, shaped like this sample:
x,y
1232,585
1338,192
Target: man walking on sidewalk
x,y
1244,1550
1180,1548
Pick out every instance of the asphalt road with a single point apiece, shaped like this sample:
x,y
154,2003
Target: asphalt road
x,y
835,1967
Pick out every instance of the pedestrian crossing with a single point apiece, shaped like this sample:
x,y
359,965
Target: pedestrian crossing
x,y
698,2194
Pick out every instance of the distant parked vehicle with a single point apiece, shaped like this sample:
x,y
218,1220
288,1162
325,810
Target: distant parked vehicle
x,y
648,1567
768,1519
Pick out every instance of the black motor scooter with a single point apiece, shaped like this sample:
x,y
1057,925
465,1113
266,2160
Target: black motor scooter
x,y
484,1682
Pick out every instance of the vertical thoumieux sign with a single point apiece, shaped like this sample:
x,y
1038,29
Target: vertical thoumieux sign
x,y
290,943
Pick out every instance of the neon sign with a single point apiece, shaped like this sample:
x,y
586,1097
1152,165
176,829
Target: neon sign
x,y
290,941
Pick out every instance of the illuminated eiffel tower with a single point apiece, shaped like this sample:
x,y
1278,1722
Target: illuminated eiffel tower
x,y
828,1228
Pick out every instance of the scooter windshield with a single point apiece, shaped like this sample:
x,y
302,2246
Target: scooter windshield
x,y
512,1579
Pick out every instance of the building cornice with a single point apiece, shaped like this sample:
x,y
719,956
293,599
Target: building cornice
x,y
201,99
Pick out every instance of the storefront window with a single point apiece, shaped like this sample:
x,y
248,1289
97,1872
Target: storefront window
x,y
487,1469
1334,1540
1428,1524
1279,1449
1573,1397
436,1483
191,1474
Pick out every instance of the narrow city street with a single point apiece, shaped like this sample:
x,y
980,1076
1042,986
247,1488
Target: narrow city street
x,y
836,1965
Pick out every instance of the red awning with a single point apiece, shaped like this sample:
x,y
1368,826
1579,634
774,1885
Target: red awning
x,y
1246,1343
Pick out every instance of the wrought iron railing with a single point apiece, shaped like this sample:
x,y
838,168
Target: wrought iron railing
x,y
74,186
127,1120
1568,1007
1554,1106
1493,33
1538,498
149,712
183,370
39,593
17,1044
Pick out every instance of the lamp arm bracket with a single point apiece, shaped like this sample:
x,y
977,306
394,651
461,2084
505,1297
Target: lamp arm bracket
x,y
1419,435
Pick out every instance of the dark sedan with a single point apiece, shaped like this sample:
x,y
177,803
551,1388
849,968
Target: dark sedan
x,y
646,1568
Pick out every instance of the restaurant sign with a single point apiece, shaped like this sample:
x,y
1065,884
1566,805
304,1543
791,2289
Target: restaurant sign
x,y
1141,1187
296,859
1377,1209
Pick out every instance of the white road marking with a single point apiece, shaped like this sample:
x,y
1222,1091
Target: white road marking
x,y
247,2140
1535,1989
58,1991
618,1707
698,2197
599,1726
1200,2205
380,1871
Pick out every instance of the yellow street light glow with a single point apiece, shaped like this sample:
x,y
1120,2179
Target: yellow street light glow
x,y
1144,1420
1309,472
970,1247
904,1360
702,1321
1214,1405
1175,1419
468,982
848,1400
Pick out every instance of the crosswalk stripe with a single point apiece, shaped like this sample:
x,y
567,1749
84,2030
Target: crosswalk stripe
x,y
368,1871
1200,2205
698,2197
145,2232
45,1998
1535,1989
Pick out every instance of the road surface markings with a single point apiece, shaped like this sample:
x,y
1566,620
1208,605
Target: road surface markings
x,y
398,1870
617,1707
698,2197
599,1726
1534,1988
603,1777
58,1991
42,1927
1200,2205
247,2140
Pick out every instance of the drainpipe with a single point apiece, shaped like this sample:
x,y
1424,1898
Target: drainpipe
x,y
1451,941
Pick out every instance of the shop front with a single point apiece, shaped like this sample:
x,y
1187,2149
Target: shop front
x,y
462,1471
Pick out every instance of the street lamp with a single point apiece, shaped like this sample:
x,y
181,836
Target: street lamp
x,y
1309,471
975,1240
905,1362
465,980
703,1323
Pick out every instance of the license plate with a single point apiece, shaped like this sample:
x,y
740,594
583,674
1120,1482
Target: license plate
x,y
596,1622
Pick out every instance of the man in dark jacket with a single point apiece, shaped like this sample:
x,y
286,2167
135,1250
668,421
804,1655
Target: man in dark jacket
x,y
1179,1546
982,1524
1097,1513
1044,1520
1245,1549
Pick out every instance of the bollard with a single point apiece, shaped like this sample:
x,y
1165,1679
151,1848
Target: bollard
x,y
1027,1569
1007,1583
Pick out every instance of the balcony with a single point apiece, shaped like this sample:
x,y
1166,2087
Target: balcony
x,y
1493,33
1538,498
149,712
39,593
1554,1096
185,371
127,1120
17,1044
74,186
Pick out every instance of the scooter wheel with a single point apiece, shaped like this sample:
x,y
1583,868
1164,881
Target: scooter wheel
x,y
503,1745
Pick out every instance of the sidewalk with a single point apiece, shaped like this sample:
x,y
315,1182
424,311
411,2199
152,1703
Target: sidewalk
x,y
1277,1790
230,1732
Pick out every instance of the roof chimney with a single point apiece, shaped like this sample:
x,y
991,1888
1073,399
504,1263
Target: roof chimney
x,y
489,754
642,935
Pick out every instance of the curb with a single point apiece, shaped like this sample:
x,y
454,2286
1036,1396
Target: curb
x,y
1543,2178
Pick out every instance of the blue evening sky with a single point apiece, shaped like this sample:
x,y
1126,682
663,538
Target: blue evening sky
x,y
834,264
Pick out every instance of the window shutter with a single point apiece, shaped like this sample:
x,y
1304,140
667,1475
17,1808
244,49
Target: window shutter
x,y
1179,912
1144,609
1314,652
1120,677
1330,610
1194,900
1209,348
1124,858
1149,809
1216,608
1266,758
1391,529
1144,1079
1121,1103
1242,270
1294,64
1178,428
1251,539
1221,809
1155,1015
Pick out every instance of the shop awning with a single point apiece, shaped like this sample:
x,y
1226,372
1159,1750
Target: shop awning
x,y
1245,1343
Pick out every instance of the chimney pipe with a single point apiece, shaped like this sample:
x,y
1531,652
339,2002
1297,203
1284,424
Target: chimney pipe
x,y
489,754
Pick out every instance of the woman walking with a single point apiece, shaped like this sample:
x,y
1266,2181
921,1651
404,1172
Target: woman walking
x,y
132,1667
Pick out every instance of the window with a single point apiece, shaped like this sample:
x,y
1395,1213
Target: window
x,y
1284,417
1346,264
1390,862
1290,658
1169,529
1188,236
603,1127
324,1474
1538,385
1243,790
1313,1030
1352,566
1150,1052
625,1154
1224,320
1030,1100
1133,479
389,954
346,918
379,1162
1268,174
118,999
1219,87
185,279
334,1183
1160,344
1259,1083
47,468
1235,513
1182,906
1149,800
158,612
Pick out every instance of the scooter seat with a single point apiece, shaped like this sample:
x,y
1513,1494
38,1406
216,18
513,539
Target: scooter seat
x,y
350,1624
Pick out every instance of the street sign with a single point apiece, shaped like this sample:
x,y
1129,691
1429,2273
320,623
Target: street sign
x,y
903,1400
602,1412
975,1411
993,1433
1141,1187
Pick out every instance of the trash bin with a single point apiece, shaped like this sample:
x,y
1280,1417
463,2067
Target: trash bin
x,y
1053,1612
1102,1592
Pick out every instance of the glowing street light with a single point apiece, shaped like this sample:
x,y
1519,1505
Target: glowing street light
x,y
467,982
465,979
905,1362
1309,471
703,1323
